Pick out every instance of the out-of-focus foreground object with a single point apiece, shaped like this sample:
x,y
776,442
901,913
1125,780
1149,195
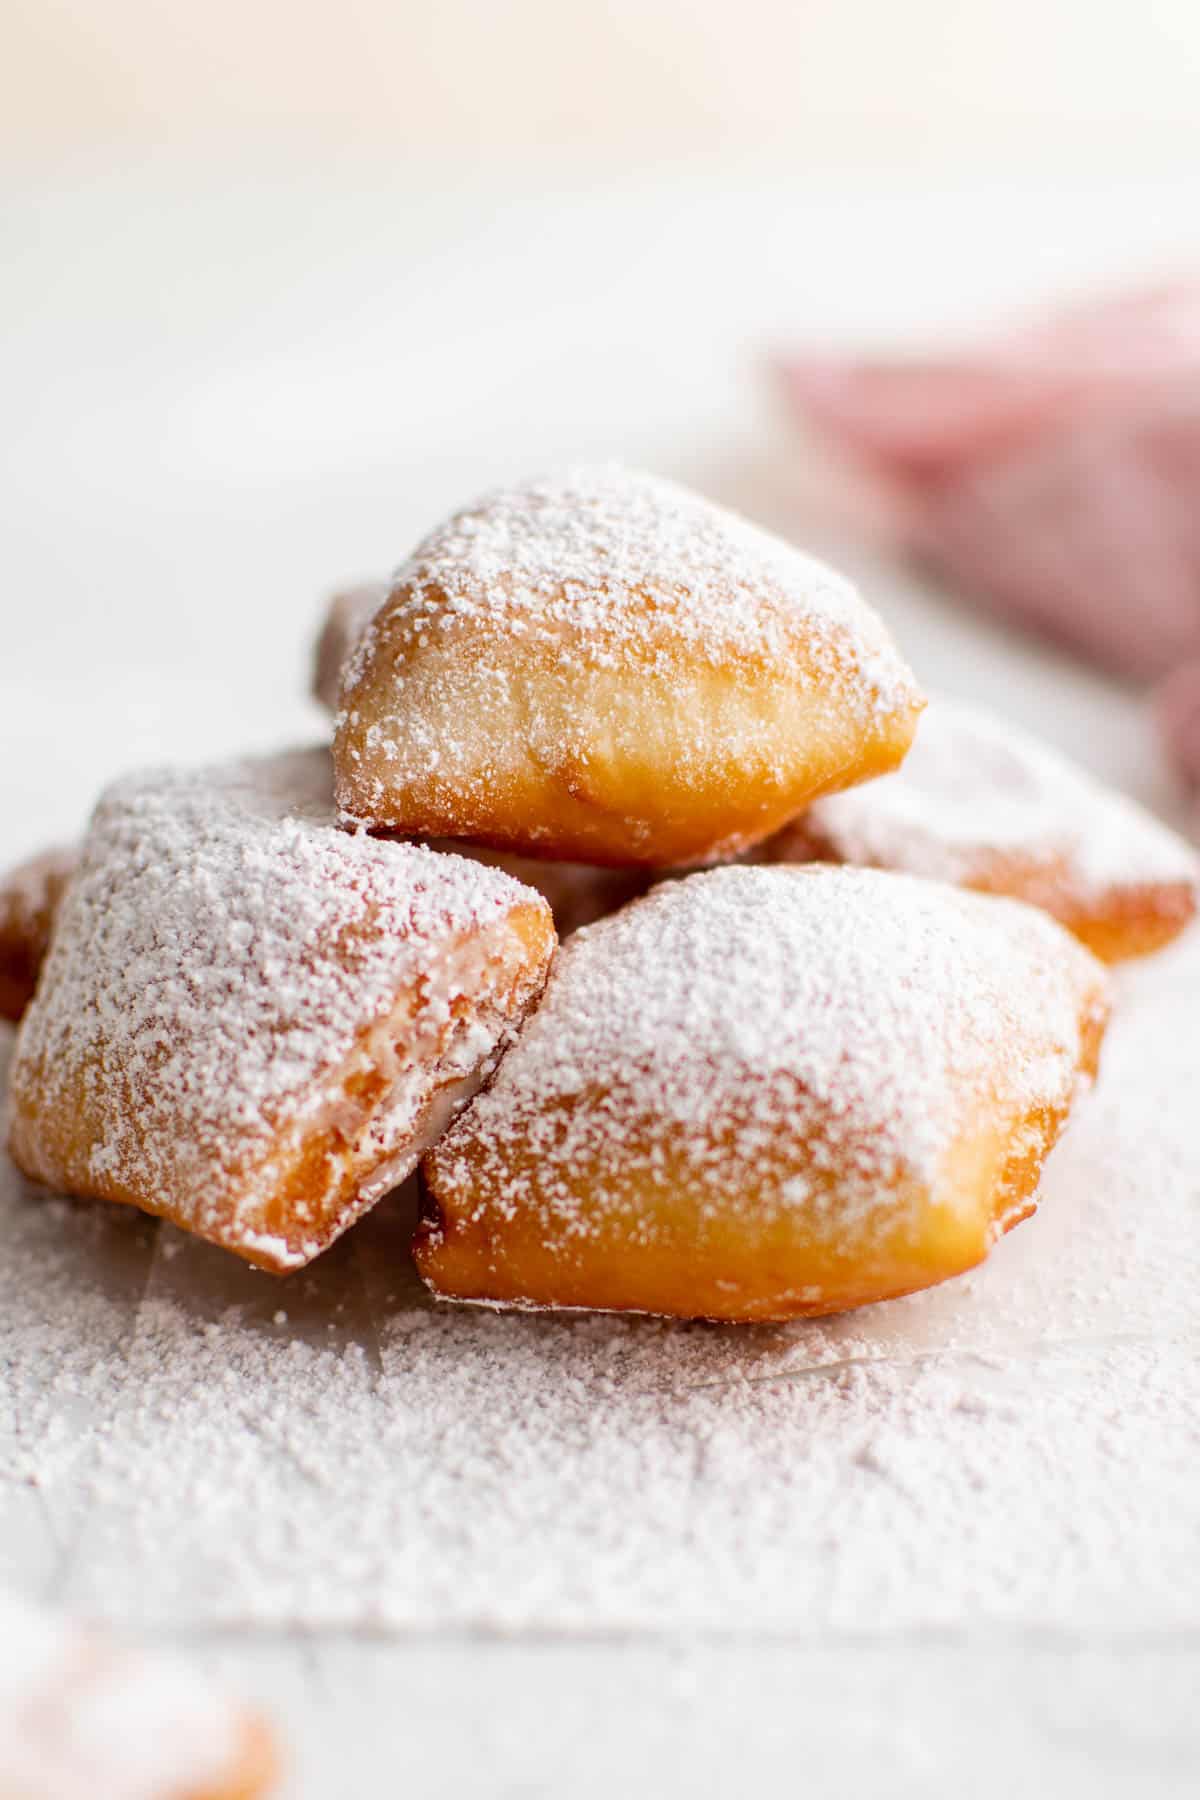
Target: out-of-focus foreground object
x,y
81,1719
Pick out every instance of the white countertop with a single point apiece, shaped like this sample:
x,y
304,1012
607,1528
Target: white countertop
x,y
954,1540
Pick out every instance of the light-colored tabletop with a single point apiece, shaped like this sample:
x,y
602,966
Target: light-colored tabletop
x,y
950,1541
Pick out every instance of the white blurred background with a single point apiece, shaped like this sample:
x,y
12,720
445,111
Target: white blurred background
x,y
464,81
281,282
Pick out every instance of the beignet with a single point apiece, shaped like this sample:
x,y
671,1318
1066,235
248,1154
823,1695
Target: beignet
x,y
82,1719
251,1022
602,667
766,1092
346,618
579,893
29,897
987,806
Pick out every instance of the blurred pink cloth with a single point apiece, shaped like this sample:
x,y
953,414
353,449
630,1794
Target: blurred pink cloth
x,y
1054,473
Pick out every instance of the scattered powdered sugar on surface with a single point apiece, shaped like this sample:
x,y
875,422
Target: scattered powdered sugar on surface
x,y
80,1716
869,1017
220,953
616,556
1015,1449
975,788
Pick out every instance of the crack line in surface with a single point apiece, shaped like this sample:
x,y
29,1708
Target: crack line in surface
x,y
1061,1638
977,1353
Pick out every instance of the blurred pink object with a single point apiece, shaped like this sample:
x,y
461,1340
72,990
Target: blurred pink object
x,y
1054,473
1178,702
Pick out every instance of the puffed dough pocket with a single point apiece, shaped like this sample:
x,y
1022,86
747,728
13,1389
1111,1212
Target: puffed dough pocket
x,y
602,667
251,1022
767,1092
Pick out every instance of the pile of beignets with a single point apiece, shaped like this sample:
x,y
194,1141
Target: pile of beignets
x,y
817,1020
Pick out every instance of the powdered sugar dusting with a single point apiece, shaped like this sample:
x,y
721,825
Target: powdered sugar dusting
x,y
1010,1453
221,953
585,573
975,789
868,1016
616,554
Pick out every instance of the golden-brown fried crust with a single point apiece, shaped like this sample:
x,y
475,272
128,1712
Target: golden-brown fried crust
x,y
250,1022
29,897
346,618
986,806
764,1094
1137,922
579,893
604,669
1117,922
